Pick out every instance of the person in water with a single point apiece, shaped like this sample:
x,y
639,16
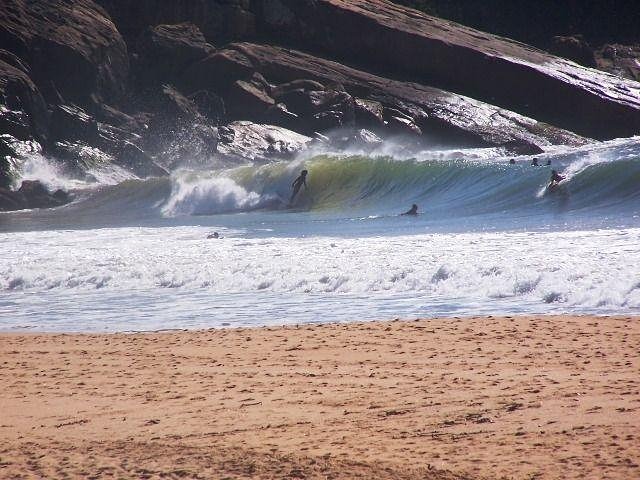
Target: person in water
x,y
297,184
412,211
556,178
534,162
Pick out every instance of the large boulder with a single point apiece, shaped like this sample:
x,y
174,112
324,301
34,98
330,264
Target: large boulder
x,y
72,47
441,116
243,141
441,53
31,194
165,51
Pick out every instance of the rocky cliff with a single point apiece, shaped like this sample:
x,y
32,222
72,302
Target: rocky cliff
x,y
150,85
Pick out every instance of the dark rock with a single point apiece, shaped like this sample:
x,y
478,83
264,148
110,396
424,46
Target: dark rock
x,y
259,142
621,60
219,20
14,61
216,72
297,101
11,200
246,101
70,122
368,113
24,113
573,48
15,123
136,160
442,116
210,105
466,61
36,195
165,51
279,115
13,152
400,123
301,84
76,159
71,43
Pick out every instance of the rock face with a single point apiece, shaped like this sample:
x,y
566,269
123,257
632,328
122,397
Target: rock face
x,y
256,142
23,112
164,51
440,114
447,55
72,47
219,20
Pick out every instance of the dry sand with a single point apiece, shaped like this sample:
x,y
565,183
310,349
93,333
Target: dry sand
x,y
522,398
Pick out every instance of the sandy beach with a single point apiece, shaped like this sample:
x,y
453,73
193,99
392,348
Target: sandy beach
x,y
483,397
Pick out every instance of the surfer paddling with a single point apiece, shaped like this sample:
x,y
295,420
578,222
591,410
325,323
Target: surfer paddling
x,y
412,211
297,184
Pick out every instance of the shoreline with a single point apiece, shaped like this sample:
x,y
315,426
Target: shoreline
x,y
553,396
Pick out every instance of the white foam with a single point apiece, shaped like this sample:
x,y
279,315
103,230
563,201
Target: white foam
x,y
197,195
531,272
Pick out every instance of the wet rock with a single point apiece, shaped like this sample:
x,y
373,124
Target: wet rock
x,y
209,105
465,61
620,60
77,159
23,112
36,195
400,123
280,116
165,51
245,100
354,138
300,84
177,132
13,152
258,142
133,158
442,116
70,122
368,113
216,72
71,44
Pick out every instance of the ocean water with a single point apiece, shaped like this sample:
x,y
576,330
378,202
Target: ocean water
x,y
133,255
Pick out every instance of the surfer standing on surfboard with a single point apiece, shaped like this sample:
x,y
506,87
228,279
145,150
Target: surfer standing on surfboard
x,y
297,184
556,178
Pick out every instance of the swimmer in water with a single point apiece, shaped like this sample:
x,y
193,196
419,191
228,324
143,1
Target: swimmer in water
x,y
412,211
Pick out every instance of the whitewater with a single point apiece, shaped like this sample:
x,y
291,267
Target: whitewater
x,y
133,255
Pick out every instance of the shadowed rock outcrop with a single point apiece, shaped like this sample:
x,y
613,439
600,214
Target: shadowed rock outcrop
x,y
72,48
404,43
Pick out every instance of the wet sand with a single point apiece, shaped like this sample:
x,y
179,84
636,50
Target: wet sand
x,y
514,397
